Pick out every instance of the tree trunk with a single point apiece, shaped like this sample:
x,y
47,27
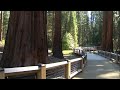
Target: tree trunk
x,y
1,26
57,41
26,39
109,42
104,31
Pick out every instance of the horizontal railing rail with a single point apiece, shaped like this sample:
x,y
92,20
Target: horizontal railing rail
x,y
110,55
65,69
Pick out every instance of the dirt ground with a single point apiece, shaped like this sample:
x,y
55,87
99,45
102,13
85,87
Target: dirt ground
x,y
50,58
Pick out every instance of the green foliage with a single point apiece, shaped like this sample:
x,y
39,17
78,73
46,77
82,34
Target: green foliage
x,y
67,52
5,22
67,41
50,25
84,29
116,30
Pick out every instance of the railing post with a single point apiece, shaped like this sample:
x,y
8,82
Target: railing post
x,y
104,54
2,74
98,52
116,57
81,64
68,70
79,52
85,58
41,72
73,50
109,55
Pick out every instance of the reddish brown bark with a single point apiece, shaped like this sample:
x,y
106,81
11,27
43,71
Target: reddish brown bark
x,y
107,33
104,31
57,41
26,39
109,42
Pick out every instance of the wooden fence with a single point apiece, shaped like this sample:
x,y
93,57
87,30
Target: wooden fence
x,y
63,70
111,56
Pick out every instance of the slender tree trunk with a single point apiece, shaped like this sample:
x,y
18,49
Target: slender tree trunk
x,y
53,27
57,42
1,26
26,39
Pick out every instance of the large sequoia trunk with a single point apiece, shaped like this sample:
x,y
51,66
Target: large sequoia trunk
x,y
109,42
107,33
26,39
57,41
104,31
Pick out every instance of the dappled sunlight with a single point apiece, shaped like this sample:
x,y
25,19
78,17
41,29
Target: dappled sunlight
x,y
67,52
78,78
99,65
108,75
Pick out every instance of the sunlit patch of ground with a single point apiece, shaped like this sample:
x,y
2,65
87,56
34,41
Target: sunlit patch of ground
x,y
109,75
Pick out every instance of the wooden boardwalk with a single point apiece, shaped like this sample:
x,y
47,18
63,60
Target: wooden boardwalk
x,y
99,68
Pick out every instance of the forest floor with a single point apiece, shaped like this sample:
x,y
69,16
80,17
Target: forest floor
x,y
68,54
52,59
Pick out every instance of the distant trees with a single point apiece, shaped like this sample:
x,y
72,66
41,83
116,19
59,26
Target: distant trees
x,y
116,31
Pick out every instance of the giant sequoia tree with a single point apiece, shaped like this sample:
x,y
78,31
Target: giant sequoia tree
x,y
26,39
104,31
57,40
107,42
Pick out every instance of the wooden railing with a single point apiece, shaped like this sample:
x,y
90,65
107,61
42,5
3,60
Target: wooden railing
x,y
111,56
65,69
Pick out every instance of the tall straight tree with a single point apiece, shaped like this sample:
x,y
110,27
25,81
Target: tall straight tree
x,y
109,42
1,26
57,41
26,39
104,31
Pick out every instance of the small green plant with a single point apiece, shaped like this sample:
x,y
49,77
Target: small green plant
x,y
68,42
